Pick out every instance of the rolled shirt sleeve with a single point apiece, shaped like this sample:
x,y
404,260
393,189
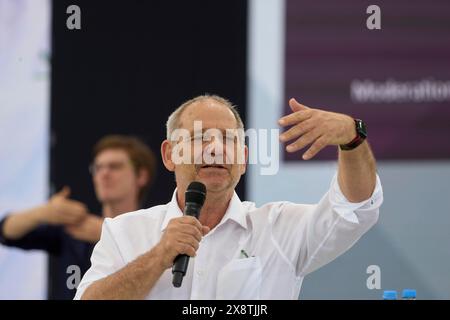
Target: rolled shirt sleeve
x,y
349,210
105,260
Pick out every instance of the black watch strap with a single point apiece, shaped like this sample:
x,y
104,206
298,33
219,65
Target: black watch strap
x,y
361,135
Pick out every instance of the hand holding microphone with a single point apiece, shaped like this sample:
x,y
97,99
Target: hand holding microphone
x,y
182,236
194,198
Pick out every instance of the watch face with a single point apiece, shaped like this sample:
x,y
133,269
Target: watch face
x,y
361,128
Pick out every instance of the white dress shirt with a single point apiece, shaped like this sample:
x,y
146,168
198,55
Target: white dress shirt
x,y
284,242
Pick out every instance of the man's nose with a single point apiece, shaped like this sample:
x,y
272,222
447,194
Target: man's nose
x,y
215,149
216,145
104,172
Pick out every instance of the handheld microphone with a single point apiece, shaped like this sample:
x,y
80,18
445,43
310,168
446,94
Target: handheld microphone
x,y
194,198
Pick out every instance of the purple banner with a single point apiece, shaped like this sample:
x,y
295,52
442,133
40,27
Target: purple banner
x,y
397,79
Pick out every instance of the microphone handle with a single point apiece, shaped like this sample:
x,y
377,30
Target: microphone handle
x,y
192,209
181,262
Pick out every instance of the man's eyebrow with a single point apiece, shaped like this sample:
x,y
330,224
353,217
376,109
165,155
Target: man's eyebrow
x,y
223,131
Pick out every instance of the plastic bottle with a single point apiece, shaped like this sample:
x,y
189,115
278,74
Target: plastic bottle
x,y
390,295
409,294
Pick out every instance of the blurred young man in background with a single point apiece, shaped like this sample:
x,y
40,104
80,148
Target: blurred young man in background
x,y
122,170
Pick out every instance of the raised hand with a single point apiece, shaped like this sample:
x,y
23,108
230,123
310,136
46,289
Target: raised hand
x,y
315,127
62,210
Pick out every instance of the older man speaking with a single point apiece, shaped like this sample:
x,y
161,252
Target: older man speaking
x,y
237,250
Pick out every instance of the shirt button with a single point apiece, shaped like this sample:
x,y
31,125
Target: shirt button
x,y
200,273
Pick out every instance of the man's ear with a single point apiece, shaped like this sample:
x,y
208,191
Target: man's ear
x,y
143,178
166,154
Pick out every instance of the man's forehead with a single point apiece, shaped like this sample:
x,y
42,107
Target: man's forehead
x,y
214,130
112,154
211,113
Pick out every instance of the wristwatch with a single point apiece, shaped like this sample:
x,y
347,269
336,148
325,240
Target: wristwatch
x,y
361,135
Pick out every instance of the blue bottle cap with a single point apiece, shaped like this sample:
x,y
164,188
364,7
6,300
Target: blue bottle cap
x,y
390,295
409,293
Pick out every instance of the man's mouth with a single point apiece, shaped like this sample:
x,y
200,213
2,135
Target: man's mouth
x,y
213,166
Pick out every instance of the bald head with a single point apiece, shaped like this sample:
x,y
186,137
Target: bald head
x,y
196,108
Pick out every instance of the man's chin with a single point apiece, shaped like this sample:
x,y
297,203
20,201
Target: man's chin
x,y
107,198
214,184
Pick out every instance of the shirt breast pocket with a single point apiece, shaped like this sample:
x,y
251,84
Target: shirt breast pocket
x,y
240,279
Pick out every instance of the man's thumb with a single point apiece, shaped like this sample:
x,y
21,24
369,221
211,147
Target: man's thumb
x,y
295,106
205,230
65,192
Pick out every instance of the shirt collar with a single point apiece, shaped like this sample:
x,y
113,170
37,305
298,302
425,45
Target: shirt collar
x,y
234,212
173,211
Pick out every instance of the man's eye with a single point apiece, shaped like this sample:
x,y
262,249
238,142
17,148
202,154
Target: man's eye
x,y
193,139
230,139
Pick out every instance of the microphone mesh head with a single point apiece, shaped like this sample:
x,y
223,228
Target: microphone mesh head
x,y
196,192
